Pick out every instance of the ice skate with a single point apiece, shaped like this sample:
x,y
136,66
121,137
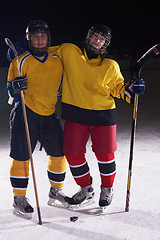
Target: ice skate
x,y
22,207
57,198
106,196
82,197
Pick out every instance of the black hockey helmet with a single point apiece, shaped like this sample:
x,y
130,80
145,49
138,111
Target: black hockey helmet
x,y
102,30
38,26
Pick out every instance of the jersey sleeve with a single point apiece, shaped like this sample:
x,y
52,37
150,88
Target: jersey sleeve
x,y
117,85
12,73
57,50
59,93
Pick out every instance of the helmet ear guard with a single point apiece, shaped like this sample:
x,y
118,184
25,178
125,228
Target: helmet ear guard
x,y
102,30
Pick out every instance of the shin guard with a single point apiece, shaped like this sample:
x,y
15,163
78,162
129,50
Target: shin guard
x,y
56,171
107,168
79,169
19,176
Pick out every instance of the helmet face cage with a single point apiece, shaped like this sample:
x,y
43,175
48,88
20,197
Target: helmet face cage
x,y
98,29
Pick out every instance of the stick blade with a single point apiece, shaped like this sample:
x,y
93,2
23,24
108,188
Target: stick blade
x,y
11,45
152,52
8,42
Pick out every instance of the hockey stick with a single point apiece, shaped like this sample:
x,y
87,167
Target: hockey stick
x,y
155,50
10,44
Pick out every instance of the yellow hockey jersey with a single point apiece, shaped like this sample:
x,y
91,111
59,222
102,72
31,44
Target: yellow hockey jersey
x,y
43,77
88,88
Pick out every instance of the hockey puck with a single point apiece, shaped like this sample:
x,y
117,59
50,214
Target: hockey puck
x,y
73,219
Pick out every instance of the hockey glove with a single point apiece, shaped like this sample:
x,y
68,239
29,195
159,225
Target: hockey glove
x,y
139,86
136,86
19,84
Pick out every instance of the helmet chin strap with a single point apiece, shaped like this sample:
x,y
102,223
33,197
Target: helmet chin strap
x,y
96,51
38,52
91,54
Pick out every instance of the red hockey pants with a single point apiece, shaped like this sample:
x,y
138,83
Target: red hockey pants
x,y
103,145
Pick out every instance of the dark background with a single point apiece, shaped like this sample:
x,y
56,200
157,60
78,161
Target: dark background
x,y
134,24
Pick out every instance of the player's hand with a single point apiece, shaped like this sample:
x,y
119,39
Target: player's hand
x,y
19,84
135,86
138,86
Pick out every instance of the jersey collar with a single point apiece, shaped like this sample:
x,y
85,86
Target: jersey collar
x,y
45,58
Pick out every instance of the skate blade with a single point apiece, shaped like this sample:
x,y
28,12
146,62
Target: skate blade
x,y
82,205
105,209
55,203
18,213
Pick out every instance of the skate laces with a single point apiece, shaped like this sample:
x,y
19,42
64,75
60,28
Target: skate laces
x,y
23,201
106,193
82,193
56,191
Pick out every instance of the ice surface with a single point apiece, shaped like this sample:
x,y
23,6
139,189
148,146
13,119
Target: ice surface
x,y
141,222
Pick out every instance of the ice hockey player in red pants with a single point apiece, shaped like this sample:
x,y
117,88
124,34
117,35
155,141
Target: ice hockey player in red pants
x,y
91,80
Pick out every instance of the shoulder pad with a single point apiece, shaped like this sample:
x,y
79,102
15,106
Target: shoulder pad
x,y
21,47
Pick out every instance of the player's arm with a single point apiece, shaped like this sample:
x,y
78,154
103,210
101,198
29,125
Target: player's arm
x,y
21,46
15,83
128,91
57,50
